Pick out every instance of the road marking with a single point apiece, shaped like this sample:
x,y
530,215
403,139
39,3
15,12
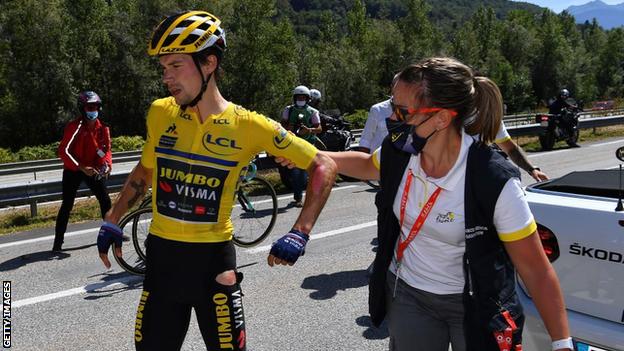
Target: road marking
x,y
319,236
545,153
89,288
607,143
49,237
95,230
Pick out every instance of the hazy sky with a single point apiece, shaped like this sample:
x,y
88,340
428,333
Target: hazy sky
x,y
560,5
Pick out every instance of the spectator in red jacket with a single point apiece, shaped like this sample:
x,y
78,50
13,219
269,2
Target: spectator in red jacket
x,y
86,154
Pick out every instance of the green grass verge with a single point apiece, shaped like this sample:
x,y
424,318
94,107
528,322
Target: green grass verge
x,y
18,220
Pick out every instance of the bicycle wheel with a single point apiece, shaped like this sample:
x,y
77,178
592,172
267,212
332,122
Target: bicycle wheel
x,y
254,215
147,201
140,229
131,261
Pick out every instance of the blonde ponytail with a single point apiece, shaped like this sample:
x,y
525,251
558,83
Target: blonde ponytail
x,y
488,104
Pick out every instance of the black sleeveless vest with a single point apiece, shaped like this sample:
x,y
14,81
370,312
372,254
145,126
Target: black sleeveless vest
x,y
489,286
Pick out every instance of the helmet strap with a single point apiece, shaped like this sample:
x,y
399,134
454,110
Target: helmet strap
x,y
204,85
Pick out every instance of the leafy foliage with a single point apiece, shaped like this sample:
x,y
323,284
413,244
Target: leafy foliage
x,y
52,49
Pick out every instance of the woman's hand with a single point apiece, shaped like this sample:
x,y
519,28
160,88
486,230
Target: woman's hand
x,y
89,171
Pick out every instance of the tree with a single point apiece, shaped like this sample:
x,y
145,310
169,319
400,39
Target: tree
x,y
611,72
39,80
419,35
551,60
261,60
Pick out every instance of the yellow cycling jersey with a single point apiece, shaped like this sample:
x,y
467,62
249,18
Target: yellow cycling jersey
x,y
196,166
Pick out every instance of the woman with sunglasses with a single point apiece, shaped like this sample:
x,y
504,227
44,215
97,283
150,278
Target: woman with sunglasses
x,y
453,224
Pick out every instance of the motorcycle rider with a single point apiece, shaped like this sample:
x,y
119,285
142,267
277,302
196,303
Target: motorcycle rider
x,y
303,120
315,98
562,103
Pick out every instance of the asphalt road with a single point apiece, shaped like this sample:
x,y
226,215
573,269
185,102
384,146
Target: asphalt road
x,y
71,302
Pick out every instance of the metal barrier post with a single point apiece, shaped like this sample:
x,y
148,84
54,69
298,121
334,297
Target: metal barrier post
x,y
33,208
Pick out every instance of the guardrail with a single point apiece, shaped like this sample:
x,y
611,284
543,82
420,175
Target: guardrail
x,y
41,190
56,164
533,129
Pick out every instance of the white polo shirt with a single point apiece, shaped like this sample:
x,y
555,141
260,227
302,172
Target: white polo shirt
x,y
433,260
502,135
375,129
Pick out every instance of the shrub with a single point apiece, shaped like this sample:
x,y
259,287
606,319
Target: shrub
x,y
39,152
6,156
127,143
357,119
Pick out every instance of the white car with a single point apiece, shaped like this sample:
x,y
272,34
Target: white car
x,y
581,225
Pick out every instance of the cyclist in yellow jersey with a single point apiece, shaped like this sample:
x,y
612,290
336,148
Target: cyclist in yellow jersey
x,y
197,144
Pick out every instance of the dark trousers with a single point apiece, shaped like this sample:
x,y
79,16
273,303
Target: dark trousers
x,y
71,182
180,278
299,181
420,320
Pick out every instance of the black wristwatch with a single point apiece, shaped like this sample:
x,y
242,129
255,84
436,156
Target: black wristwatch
x,y
535,168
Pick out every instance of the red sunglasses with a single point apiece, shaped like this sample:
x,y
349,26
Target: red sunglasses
x,y
402,113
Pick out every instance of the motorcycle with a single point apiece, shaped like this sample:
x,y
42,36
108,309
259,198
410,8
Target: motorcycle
x,y
336,135
563,126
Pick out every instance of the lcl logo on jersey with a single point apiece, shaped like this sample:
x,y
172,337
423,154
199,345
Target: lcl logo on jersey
x,y
220,145
283,139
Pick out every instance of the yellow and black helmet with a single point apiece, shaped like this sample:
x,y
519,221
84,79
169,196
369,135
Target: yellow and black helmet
x,y
187,33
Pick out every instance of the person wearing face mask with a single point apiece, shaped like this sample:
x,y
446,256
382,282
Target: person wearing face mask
x,y
305,122
86,154
453,223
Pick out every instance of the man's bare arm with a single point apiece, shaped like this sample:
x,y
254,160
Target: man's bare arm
x,y
322,173
134,189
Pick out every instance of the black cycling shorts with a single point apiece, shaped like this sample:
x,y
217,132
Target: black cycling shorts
x,y
180,277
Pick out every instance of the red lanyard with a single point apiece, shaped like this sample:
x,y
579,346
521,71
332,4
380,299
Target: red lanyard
x,y
504,338
421,217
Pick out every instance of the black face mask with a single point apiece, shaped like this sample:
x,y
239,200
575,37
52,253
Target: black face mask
x,y
404,137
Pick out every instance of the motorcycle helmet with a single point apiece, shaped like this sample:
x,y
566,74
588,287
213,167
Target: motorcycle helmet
x,y
301,90
564,94
89,98
315,95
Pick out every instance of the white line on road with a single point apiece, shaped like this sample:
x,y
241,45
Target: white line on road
x,y
49,237
95,230
572,149
320,236
125,280
608,143
89,288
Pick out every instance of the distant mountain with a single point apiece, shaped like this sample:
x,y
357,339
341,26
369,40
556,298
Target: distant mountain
x,y
608,16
